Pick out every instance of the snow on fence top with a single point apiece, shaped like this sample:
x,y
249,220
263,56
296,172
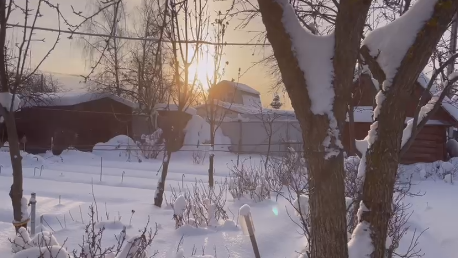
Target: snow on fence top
x,y
173,107
241,87
74,98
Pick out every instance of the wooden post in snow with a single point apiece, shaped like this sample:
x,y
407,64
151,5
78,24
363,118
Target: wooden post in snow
x,y
246,222
101,168
239,149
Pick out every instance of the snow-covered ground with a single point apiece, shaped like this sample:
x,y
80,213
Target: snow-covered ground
x,y
64,193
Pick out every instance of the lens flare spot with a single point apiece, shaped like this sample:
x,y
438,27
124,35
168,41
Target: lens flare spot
x,y
275,211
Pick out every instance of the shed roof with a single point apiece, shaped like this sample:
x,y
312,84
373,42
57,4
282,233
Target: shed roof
x,y
74,98
363,114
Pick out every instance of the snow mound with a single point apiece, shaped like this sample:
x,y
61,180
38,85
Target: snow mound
x,y
6,99
28,160
198,132
179,206
245,210
120,147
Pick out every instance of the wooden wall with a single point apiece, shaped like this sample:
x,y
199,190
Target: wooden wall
x,y
429,145
81,125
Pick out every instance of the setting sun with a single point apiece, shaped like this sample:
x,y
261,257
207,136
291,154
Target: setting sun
x,y
202,70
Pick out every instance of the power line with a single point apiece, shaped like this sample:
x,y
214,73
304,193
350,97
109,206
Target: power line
x,y
135,38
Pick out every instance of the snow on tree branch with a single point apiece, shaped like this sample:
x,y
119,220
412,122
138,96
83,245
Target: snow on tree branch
x,y
390,50
314,54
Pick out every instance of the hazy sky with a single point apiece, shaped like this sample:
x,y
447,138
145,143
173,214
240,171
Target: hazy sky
x,y
67,57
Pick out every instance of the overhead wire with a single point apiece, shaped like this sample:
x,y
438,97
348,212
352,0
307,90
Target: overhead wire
x,y
136,38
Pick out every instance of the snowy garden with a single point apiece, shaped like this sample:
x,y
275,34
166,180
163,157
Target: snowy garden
x,y
100,204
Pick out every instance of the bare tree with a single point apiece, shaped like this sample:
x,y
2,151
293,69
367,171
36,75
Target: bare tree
x,y
106,55
14,75
268,118
187,27
216,114
149,82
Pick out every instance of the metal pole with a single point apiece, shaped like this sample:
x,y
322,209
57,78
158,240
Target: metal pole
x,y
33,202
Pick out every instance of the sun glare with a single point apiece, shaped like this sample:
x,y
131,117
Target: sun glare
x,y
202,70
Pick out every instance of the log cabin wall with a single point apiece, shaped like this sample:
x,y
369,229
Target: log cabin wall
x,y
429,145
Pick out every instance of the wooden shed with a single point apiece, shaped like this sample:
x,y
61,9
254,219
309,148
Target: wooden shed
x,y
80,119
430,143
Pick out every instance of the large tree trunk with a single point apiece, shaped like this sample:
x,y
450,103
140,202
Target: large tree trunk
x,y
15,155
326,174
382,157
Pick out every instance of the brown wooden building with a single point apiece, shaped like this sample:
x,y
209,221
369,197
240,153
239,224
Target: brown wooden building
x,y
72,119
429,145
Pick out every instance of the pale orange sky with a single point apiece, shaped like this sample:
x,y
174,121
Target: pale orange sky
x,y
67,58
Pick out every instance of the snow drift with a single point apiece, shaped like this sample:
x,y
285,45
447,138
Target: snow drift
x,y
198,133
120,147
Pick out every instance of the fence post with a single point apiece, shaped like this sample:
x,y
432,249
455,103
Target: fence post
x,y
239,150
248,227
101,168
33,202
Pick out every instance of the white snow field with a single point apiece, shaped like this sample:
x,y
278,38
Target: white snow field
x,y
64,188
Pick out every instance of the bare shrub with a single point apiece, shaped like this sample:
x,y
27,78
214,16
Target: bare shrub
x,y
198,157
250,180
199,206
152,145
44,244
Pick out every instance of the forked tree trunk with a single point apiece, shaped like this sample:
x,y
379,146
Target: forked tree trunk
x,y
383,156
161,184
326,174
15,155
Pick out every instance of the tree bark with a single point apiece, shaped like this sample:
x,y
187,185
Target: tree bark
x,y
382,157
351,129
161,184
16,191
326,176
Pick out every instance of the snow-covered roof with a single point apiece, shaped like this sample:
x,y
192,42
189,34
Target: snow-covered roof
x,y
173,107
240,86
74,98
449,105
251,110
363,114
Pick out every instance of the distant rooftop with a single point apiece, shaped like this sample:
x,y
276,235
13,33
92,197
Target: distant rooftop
x,y
73,98
240,86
